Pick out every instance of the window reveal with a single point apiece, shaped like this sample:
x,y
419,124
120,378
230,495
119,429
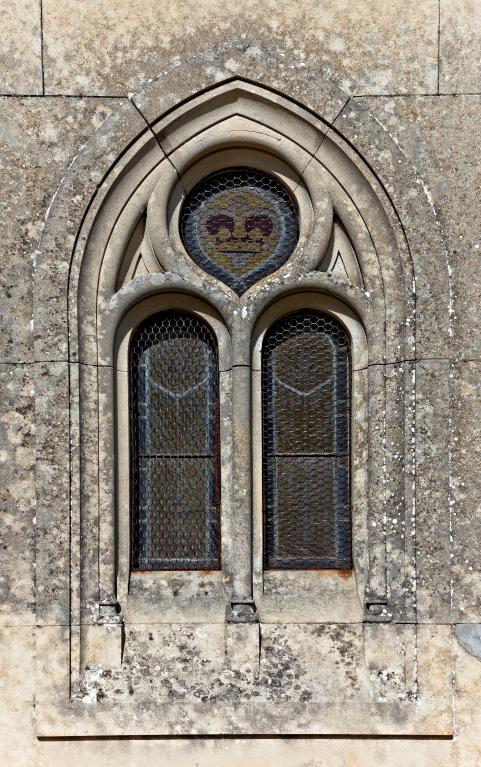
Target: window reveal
x,y
175,444
305,406
239,226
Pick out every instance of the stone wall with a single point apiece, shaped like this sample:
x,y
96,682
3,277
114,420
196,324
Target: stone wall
x,y
81,81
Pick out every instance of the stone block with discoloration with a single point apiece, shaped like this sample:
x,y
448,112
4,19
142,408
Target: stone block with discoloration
x,y
460,47
40,138
355,42
20,48
439,136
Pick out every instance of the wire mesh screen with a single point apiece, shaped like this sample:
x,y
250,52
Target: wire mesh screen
x,y
175,444
239,226
306,409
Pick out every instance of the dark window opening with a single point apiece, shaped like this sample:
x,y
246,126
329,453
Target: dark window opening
x,y
174,417
306,463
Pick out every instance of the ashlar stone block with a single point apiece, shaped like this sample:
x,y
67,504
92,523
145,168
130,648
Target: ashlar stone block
x,y
440,137
20,48
355,42
17,678
40,137
17,494
465,499
460,46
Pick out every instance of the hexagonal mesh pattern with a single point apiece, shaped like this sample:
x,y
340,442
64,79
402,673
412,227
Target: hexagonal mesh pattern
x,y
305,411
175,444
239,226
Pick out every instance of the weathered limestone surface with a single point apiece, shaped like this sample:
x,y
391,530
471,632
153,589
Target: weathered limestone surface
x,y
39,137
466,490
433,514
460,46
17,493
21,747
236,752
440,136
182,679
52,479
20,47
370,49
88,167
17,689
397,175
114,48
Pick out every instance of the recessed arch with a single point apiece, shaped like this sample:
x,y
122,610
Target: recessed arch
x,y
80,301
278,592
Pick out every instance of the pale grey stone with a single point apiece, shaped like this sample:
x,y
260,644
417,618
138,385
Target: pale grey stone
x,y
465,501
469,637
288,752
246,62
440,137
186,673
70,203
385,47
40,137
17,495
52,484
20,48
432,521
17,690
396,493
460,47
425,259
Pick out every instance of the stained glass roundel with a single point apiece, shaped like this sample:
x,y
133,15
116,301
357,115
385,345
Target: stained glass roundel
x,y
239,225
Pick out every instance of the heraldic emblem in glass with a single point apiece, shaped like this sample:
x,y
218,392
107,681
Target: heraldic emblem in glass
x,y
239,226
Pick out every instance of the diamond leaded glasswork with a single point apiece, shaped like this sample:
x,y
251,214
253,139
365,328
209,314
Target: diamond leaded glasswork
x,y
305,423
175,444
239,226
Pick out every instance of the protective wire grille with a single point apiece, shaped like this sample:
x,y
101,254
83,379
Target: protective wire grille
x,y
306,410
175,444
239,226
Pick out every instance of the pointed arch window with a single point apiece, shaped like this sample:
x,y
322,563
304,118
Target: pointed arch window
x,y
305,411
175,444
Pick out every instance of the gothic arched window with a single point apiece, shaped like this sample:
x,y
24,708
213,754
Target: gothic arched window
x,y
305,413
240,225
175,444
236,456
234,214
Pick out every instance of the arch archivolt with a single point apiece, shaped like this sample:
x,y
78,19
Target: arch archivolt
x,y
233,125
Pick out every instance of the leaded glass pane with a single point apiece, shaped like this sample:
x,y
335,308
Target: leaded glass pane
x,y
239,226
305,407
174,421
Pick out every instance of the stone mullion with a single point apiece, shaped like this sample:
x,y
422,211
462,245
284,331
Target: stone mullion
x,y
241,486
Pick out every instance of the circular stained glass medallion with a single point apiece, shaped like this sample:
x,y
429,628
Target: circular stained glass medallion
x,y
239,225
